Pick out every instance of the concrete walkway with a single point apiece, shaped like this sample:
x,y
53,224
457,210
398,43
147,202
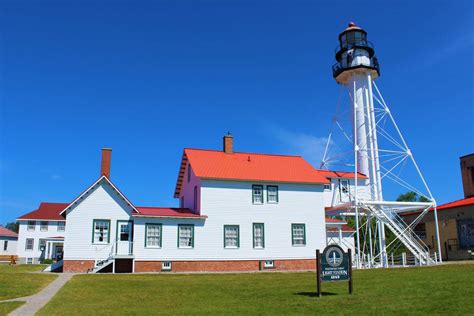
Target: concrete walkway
x,y
35,302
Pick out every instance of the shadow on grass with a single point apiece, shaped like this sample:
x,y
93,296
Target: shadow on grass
x,y
314,294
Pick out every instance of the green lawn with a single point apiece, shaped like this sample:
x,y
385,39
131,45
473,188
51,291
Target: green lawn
x,y
19,281
8,307
433,290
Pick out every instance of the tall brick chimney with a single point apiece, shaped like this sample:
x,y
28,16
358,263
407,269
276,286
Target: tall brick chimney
x,y
467,174
105,164
228,143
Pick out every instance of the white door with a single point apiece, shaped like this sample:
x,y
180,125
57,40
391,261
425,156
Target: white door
x,y
124,238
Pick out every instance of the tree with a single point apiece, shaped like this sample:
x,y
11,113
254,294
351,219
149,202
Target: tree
x,y
13,226
411,196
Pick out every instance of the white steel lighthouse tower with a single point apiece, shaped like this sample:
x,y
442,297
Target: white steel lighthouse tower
x,y
377,152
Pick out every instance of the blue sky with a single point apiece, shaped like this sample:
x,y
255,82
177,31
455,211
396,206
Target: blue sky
x,y
148,78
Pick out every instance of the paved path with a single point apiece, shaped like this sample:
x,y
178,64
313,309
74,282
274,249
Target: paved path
x,y
35,302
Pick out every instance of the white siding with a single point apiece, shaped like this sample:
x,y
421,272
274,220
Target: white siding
x,y
230,203
37,234
11,246
187,190
101,203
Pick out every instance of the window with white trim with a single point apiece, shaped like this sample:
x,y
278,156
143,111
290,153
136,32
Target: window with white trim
x,y
231,236
272,194
29,261
5,245
101,234
166,266
30,242
298,234
31,225
44,226
268,264
153,235
327,187
258,235
61,226
344,186
42,243
185,236
257,194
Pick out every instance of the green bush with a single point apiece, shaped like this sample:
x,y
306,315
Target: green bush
x,y
48,261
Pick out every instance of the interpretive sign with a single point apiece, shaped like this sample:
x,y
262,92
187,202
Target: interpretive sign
x,y
333,265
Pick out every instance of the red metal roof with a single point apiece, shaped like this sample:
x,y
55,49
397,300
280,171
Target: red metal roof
x,y
47,211
7,233
342,174
448,206
345,228
215,164
333,220
166,212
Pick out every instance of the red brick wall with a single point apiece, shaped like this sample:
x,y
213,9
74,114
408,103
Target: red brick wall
x,y
225,266
77,265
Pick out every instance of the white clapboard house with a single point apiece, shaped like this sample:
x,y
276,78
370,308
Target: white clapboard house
x,y
8,244
238,212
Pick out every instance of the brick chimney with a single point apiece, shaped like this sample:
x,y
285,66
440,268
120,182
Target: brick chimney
x,y
467,173
105,164
228,143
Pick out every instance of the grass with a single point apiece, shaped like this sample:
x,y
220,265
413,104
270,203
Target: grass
x,y
431,290
18,280
6,308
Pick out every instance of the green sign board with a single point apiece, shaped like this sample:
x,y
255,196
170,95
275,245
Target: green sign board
x,y
334,264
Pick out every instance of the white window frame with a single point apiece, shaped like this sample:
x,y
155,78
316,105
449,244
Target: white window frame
x,y
274,195
181,237
29,260
31,226
96,232
345,186
254,200
41,240
166,266
5,245
327,187
61,226
269,264
157,235
44,228
32,244
231,241
254,226
295,239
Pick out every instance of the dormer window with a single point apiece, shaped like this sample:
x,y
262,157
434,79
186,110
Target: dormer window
x,y
257,194
189,172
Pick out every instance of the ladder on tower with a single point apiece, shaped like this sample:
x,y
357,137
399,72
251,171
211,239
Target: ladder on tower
x,y
403,232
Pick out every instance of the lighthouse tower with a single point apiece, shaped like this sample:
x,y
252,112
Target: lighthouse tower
x,y
356,69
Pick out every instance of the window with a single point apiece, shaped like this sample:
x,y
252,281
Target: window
x,y
61,226
195,198
182,202
257,194
125,230
166,266
344,186
5,245
268,264
101,231
42,243
29,261
153,235
44,226
327,187
189,172
185,236
298,234
31,225
29,244
420,230
272,194
258,235
231,236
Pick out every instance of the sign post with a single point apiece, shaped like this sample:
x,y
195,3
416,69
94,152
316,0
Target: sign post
x,y
333,265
